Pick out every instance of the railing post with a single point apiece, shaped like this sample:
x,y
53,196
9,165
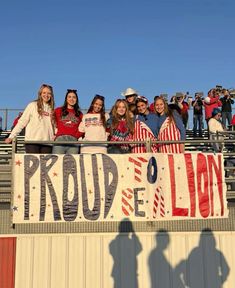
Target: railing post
x,y
14,147
148,145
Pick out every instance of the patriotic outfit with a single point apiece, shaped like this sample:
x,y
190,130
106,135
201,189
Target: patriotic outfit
x,y
169,131
94,130
146,126
121,133
67,130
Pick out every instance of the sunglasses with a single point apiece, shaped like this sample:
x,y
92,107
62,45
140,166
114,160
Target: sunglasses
x,y
71,90
100,97
47,85
131,95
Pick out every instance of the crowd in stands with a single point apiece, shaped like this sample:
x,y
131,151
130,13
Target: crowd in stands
x,y
132,118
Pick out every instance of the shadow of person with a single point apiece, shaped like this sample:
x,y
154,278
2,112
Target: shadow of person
x,y
205,266
124,250
160,269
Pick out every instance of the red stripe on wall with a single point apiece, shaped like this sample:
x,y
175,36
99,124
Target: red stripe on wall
x,y
7,262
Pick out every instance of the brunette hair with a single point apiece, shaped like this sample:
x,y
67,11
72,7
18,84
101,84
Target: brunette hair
x,y
116,118
39,101
102,111
76,106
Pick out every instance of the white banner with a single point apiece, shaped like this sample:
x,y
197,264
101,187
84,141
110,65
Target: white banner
x,y
142,187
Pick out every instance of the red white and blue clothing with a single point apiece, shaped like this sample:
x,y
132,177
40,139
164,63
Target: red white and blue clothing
x,y
68,124
67,130
146,126
120,133
93,130
173,130
167,132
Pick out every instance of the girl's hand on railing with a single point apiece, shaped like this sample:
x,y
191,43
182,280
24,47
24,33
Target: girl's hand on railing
x,y
8,140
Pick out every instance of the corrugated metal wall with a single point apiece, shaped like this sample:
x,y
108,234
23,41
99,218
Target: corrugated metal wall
x,y
7,261
159,260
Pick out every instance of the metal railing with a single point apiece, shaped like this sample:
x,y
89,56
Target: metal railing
x,y
8,115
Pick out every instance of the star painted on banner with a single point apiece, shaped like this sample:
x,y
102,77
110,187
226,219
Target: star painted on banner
x,y
111,216
34,187
15,208
18,162
55,174
19,196
122,176
31,215
90,192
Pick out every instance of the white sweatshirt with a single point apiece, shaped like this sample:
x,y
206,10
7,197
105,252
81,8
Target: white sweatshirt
x,y
36,127
93,128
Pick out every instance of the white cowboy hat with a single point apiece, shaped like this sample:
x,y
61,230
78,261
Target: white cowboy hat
x,y
128,92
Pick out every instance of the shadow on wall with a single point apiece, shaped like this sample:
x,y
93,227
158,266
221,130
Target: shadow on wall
x,y
124,250
205,266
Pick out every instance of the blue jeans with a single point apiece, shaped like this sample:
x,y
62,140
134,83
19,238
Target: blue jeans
x,y
226,116
197,119
65,148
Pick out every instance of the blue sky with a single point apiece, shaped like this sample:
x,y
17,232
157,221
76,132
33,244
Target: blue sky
x,y
105,46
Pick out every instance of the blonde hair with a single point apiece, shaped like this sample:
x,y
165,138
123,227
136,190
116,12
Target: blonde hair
x,y
39,101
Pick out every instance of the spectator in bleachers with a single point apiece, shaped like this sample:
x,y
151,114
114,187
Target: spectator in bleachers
x,y
67,119
227,102
146,125
210,102
233,122
0,124
215,126
37,119
22,133
130,95
180,100
197,105
151,106
93,126
171,127
121,127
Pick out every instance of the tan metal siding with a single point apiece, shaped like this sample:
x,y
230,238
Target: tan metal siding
x,y
84,260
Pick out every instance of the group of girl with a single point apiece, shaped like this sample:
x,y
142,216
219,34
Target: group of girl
x,y
67,123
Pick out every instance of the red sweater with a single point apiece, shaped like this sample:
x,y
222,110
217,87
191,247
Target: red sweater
x,y
214,103
67,125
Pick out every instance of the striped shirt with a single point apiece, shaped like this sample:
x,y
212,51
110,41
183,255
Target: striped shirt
x,y
169,131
